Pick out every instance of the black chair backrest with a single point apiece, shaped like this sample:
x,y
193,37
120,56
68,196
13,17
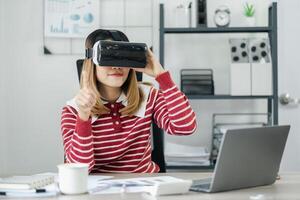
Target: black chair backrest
x,y
157,155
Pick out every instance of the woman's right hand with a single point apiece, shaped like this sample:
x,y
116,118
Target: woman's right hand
x,y
85,99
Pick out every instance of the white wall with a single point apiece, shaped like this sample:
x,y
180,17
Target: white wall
x,y
3,95
37,87
288,59
237,12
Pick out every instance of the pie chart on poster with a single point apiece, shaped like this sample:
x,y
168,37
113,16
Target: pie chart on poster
x,y
88,17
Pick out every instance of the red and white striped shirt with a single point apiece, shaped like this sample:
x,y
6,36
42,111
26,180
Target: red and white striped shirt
x,y
115,143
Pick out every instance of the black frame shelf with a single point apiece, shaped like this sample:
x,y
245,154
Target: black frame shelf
x,y
227,97
218,30
271,30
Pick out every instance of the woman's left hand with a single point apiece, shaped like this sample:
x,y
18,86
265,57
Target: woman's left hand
x,y
153,68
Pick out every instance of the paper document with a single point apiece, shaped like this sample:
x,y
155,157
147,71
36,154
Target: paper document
x,y
160,185
223,128
178,150
190,163
49,190
177,155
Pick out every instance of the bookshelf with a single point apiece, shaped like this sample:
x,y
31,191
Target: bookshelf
x,y
271,30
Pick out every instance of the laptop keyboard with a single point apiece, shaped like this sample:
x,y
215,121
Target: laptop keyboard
x,y
201,184
201,187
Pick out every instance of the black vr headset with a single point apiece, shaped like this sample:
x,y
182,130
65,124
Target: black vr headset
x,y
119,52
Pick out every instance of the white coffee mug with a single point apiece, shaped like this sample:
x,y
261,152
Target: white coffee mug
x,y
73,178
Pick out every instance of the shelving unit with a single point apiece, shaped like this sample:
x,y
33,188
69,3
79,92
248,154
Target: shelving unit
x,y
272,100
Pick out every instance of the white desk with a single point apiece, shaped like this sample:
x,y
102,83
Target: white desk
x,y
288,187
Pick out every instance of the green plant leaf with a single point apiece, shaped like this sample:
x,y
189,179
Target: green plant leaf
x,y
249,10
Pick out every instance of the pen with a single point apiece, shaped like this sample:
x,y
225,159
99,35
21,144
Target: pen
x,y
3,192
28,193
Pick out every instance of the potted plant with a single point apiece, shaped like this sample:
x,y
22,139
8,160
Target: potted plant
x,y
249,12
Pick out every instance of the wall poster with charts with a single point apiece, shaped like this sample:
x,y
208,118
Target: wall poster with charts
x,y
70,18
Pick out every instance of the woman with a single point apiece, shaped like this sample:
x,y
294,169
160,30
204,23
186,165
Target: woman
x,y
107,124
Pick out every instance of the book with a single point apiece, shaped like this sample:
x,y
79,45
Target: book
x,y
26,182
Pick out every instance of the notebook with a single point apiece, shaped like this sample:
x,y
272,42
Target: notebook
x,y
26,182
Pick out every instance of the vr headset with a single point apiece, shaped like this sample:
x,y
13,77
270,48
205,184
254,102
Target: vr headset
x,y
118,53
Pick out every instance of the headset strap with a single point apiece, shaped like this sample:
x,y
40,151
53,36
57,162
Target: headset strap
x,y
115,35
88,53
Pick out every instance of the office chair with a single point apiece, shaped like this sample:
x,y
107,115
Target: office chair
x,y
157,155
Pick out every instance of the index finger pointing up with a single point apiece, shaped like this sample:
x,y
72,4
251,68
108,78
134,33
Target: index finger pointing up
x,y
149,52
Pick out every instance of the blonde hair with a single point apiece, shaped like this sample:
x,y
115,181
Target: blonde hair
x,y
133,92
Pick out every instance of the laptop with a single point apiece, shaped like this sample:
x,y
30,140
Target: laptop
x,y
248,157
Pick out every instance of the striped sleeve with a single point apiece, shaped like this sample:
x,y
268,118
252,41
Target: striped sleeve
x,y
77,138
172,111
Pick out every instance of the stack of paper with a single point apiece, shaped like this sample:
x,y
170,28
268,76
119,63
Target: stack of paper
x,y
160,185
223,128
40,185
183,155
